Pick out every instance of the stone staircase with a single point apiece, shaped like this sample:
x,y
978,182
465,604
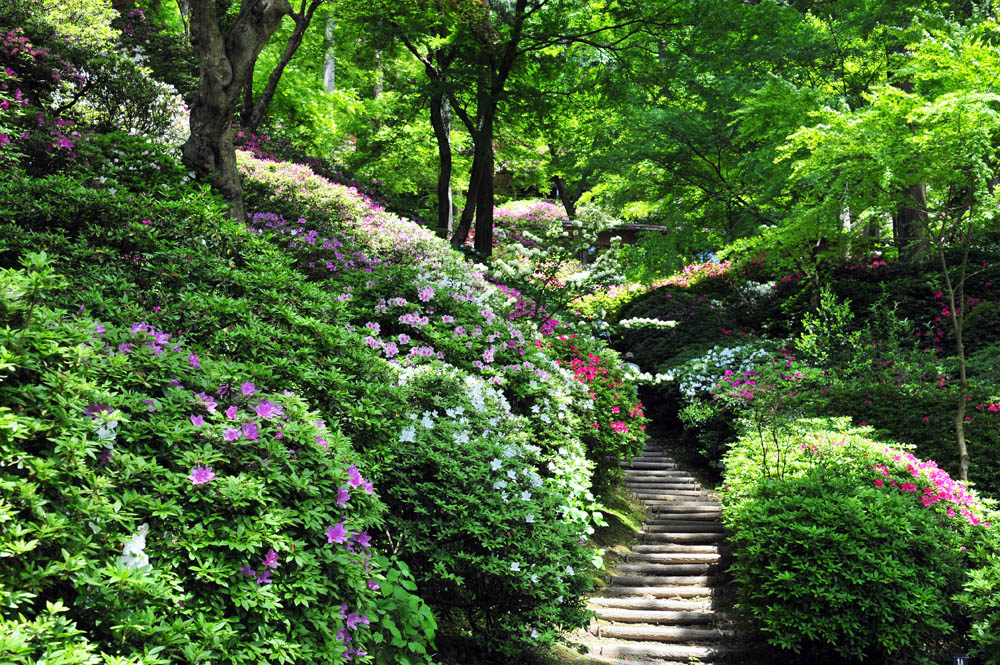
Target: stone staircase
x,y
658,607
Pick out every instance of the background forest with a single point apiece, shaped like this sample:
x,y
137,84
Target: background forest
x,y
327,326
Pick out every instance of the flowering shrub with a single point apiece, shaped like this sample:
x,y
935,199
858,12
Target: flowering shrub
x,y
821,515
198,514
617,423
484,532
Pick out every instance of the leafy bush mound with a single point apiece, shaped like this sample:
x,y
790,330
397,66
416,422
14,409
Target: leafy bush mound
x,y
265,298
171,510
492,544
844,544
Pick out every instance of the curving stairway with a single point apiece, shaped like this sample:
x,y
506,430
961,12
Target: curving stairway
x,y
658,607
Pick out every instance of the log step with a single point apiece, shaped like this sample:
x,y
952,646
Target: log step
x,y
654,617
680,653
659,591
675,526
669,495
646,568
683,537
662,473
639,603
673,557
673,547
661,581
660,633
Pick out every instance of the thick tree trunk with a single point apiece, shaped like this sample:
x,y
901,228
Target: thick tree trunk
x,y
908,223
485,201
471,199
441,122
302,20
566,197
225,63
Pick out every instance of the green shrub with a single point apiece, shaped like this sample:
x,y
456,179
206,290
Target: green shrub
x,y
177,510
614,426
980,599
825,563
486,536
846,545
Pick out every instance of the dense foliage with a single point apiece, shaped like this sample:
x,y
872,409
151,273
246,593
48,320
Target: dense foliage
x,y
190,402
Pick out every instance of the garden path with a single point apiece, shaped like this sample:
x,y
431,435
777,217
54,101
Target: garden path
x,y
659,607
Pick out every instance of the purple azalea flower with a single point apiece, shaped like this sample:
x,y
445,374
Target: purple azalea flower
x,y
264,577
321,441
201,475
247,571
343,496
232,411
336,534
198,420
354,476
362,539
248,389
270,559
250,431
95,408
268,409
230,434
343,636
353,619
193,360
373,585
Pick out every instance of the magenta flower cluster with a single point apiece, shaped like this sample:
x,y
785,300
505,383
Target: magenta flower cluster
x,y
938,486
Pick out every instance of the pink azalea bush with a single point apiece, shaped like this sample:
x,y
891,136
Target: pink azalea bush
x,y
821,514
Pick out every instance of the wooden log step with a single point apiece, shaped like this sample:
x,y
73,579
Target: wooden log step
x,y
640,603
649,466
654,617
677,527
673,557
657,568
679,653
660,591
671,493
660,633
659,483
683,537
672,547
681,505
662,473
694,505
649,581
701,515
661,480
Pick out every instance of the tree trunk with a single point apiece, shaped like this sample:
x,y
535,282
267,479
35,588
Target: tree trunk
x,y
567,199
184,7
485,200
329,60
908,223
302,21
225,63
471,199
377,88
441,122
